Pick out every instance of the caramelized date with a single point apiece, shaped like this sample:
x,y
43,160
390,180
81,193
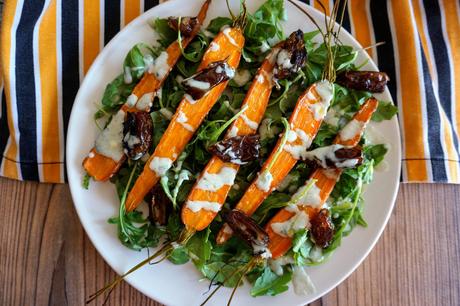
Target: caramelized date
x,y
248,230
158,208
238,150
199,84
363,80
322,229
137,134
292,56
188,25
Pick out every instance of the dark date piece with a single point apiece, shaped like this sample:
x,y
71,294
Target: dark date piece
x,y
199,84
291,57
322,228
137,134
188,25
371,81
159,206
237,150
248,230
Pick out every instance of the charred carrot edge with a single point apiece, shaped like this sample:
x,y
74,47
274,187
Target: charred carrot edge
x,y
177,135
302,118
325,181
101,167
255,102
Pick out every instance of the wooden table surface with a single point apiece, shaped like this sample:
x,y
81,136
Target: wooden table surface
x,y
47,259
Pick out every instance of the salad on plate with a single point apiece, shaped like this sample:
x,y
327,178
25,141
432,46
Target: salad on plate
x,y
239,147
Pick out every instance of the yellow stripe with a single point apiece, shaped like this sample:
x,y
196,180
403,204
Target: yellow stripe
x,y
318,6
451,12
452,167
361,26
91,32
132,10
410,91
51,154
9,9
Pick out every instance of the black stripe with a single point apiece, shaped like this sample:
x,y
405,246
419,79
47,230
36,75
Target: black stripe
x,y
25,89
111,19
434,25
434,125
4,133
148,4
70,56
382,32
346,16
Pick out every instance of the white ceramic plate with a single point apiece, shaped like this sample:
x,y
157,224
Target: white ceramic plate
x,y
180,285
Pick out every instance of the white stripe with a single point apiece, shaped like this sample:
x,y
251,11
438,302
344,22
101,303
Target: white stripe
x,y
38,91
12,76
434,77
122,14
101,25
453,99
142,5
370,25
59,86
81,32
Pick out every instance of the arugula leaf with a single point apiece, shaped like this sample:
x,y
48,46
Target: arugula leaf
x,y
375,152
385,111
167,35
218,23
199,248
86,180
179,255
271,284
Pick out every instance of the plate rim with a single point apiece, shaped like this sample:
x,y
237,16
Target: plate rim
x,y
73,188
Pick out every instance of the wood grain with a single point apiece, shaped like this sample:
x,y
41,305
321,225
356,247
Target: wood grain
x,y
47,259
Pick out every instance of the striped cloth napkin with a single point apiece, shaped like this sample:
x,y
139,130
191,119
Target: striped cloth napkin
x,y
47,47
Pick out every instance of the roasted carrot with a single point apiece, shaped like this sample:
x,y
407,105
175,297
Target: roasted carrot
x,y
324,180
304,123
101,167
255,103
230,43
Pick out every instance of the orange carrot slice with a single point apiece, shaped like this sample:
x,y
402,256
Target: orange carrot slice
x,y
325,180
230,43
101,167
304,123
255,103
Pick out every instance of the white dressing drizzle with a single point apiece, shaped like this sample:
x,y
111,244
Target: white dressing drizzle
x,y
109,142
160,67
252,124
182,119
289,227
145,102
132,99
160,165
351,129
226,32
264,181
196,206
297,150
215,181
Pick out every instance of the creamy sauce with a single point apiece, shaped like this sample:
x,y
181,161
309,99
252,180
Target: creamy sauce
x,y
214,47
325,91
351,129
289,227
261,251
166,113
276,265
160,67
264,181
332,117
260,78
241,77
91,155
131,140
284,59
127,77
190,99
145,102
148,61
109,142
196,206
160,165
233,131
215,181
132,99
301,281
298,150
311,198
182,119
324,153
264,47
252,124
197,84
226,32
